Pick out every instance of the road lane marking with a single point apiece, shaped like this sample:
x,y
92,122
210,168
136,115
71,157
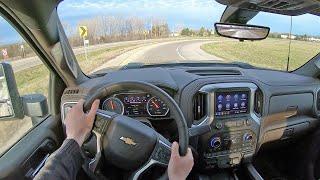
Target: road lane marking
x,y
178,52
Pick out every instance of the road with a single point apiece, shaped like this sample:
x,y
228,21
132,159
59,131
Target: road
x,y
26,63
176,51
154,51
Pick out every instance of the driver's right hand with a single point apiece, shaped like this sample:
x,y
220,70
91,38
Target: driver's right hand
x,y
179,166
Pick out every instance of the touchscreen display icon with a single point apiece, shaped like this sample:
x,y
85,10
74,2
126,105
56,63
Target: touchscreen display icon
x,y
236,97
228,106
228,97
235,105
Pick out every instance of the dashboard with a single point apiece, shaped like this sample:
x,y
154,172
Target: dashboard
x,y
245,108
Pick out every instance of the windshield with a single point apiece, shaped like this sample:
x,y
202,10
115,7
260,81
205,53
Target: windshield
x,y
108,35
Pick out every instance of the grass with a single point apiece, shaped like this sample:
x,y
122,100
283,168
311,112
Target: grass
x,y
269,53
35,80
99,57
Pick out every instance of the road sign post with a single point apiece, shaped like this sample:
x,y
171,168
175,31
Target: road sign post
x,y
85,48
23,53
83,31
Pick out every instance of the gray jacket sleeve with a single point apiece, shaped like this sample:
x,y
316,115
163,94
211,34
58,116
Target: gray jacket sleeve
x,y
64,163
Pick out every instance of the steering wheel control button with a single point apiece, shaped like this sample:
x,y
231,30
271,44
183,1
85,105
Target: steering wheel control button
x,y
215,142
100,124
162,154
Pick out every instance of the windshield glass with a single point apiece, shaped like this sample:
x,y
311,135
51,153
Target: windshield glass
x,y
108,35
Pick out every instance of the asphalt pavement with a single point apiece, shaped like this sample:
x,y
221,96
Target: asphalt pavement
x,y
154,52
177,52
26,63
165,52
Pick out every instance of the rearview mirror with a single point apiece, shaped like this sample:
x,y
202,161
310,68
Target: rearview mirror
x,y
242,31
10,102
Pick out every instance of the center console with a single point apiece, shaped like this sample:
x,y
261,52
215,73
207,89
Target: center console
x,y
234,124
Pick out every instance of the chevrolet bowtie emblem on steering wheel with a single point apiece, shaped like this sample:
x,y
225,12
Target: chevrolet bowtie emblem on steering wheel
x,y
128,141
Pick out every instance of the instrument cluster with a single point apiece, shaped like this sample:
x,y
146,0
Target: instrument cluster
x,y
136,104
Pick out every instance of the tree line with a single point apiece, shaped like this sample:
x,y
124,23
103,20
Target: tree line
x,y
105,29
202,32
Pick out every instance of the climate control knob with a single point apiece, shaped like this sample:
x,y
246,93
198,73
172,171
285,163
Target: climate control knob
x,y
215,142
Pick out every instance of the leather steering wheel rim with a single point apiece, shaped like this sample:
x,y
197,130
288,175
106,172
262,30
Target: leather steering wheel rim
x,y
175,111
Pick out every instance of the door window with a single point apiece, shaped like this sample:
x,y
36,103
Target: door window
x,y
31,77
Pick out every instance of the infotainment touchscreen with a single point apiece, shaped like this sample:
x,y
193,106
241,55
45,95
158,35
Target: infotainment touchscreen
x,y
231,103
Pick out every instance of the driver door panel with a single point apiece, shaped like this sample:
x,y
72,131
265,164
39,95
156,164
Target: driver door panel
x,y
27,156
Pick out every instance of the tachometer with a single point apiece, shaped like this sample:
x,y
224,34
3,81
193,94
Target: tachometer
x,y
156,107
114,105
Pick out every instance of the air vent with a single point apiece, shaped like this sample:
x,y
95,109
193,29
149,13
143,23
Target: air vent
x,y
72,91
199,106
215,72
318,100
258,102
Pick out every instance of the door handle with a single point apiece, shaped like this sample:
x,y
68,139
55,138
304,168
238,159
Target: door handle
x,y
39,166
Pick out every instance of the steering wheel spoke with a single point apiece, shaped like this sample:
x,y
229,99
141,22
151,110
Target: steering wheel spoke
x,y
93,163
103,118
160,156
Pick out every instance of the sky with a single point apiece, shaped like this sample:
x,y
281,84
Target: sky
x,y
190,13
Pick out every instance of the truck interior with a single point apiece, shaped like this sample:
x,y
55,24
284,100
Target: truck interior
x,y
271,132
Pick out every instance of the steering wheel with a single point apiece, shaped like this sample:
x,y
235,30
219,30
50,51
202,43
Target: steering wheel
x,y
128,143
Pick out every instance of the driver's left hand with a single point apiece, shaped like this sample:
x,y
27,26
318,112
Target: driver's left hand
x,y
79,124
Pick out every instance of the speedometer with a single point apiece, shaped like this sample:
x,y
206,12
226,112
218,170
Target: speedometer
x,y
114,105
156,107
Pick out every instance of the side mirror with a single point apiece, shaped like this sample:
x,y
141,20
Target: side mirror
x,y
242,31
12,106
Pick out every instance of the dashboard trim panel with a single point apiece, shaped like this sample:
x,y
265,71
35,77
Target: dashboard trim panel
x,y
210,91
